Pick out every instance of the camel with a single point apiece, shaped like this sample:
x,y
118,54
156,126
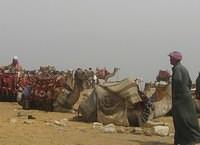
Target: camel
x,y
64,97
103,74
69,78
165,102
126,110
159,104
196,99
113,102
162,99
108,102
66,101
149,89
111,74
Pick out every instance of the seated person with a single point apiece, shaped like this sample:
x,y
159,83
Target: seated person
x,y
14,67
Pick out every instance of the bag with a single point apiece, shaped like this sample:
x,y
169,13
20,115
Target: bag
x,y
126,89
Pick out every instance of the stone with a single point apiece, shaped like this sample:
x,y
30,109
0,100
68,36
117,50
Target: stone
x,y
59,123
161,130
121,130
28,121
155,123
110,128
97,125
148,132
64,120
171,134
138,130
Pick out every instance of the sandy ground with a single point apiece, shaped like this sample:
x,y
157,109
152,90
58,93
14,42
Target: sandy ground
x,y
14,130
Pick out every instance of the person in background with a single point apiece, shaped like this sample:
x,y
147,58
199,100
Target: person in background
x,y
91,77
14,67
187,131
198,86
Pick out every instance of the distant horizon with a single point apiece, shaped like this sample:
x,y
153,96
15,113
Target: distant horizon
x,y
119,75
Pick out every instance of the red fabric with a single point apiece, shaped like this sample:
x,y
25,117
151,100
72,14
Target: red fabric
x,y
43,89
8,83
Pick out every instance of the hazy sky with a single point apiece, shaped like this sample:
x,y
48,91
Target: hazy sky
x,y
135,35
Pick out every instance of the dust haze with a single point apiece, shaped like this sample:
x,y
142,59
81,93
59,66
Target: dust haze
x,y
135,35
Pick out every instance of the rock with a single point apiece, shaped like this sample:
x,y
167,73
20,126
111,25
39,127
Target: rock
x,y
97,125
110,128
129,129
161,130
171,134
28,122
138,130
148,132
64,120
121,130
59,123
155,123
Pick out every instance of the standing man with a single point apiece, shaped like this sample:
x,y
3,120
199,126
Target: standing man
x,y
198,87
187,131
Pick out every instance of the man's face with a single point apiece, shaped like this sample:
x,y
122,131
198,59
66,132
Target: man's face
x,y
173,61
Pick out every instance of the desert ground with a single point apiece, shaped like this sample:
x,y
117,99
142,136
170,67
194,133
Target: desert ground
x,y
36,127
45,128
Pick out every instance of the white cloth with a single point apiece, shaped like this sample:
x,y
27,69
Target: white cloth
x,y
15,57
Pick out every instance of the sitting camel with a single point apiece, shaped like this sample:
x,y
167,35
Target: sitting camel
x,y
66,100
157,105
127,105
60,98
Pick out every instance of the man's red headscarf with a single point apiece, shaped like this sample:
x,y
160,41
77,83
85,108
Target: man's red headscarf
x,y
176,55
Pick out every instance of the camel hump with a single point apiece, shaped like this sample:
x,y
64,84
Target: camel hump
x,y
126,88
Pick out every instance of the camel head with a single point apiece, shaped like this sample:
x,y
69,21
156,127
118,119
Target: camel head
x,y
163,79
116,69
80,77
163,75
162,85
